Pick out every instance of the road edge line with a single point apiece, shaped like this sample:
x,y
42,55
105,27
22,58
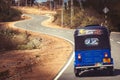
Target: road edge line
x,y
67,63
69,60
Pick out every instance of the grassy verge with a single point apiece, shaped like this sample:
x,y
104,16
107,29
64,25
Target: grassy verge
x,y
12,39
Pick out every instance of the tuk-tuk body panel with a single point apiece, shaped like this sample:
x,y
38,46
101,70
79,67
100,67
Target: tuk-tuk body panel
x,y
92,47
91,57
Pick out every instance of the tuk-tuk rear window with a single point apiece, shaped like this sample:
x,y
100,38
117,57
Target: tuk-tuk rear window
x,y
89,42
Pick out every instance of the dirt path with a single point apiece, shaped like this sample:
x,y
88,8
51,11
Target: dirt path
x,y
37,64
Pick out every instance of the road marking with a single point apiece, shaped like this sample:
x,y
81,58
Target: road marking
x,y
28,24
70,59
118,42
68,32
54,30
61,31
42,29
66,65
47,29
111,40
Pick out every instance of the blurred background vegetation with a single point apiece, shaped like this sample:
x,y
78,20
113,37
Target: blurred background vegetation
x,y
14,39
85,12
80,18
8,13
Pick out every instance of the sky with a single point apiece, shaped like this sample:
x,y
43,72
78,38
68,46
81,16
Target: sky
x,y
46,0
41,1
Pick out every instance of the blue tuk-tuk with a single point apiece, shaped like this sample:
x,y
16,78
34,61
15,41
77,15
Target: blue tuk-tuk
x,y
92,49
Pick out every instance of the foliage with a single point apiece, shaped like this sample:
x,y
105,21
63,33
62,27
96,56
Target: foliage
x,y
13,39
113,16
5,38
80,18
22,2
7,13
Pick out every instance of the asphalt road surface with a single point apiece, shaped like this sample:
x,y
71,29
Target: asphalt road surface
x,y
68,73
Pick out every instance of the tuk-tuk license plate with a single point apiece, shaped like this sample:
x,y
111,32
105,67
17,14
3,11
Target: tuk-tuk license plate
x,y
106,60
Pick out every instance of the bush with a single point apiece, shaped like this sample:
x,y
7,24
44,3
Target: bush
x,y
6,36
31,44
14,40
14,14
10,14
7,13
80,18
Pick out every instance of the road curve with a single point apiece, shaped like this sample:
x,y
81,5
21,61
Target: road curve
x,y
35,25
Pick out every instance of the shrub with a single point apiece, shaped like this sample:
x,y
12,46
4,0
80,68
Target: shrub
x,y
10,14
7,13
80,18
12,40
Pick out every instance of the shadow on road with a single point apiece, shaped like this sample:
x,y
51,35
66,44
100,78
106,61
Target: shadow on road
x,y
98,73
117,72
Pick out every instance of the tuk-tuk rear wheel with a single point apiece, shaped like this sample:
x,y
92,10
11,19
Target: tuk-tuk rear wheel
x,y
110,70
77,71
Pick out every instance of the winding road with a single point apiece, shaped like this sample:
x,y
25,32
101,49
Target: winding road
x,y
67,72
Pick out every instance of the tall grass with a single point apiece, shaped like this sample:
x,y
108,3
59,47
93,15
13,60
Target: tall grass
x,y
14,40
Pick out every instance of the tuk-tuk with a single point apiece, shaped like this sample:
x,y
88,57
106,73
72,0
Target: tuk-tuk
x,y
92,49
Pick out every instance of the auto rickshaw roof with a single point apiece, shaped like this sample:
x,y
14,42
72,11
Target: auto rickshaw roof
x,y
92,27
91,30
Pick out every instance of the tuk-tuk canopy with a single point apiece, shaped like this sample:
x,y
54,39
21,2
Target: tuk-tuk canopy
x,y
92,37
91,30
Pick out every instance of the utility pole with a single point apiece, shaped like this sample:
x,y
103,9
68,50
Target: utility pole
x,y
26,2
59,3
18,2
50,5
62,13
72,13
53,4
81,6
